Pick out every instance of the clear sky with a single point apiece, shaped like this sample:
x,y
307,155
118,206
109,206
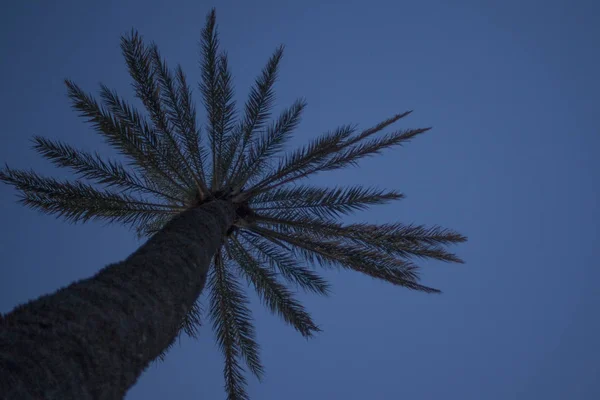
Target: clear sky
x,y
512,91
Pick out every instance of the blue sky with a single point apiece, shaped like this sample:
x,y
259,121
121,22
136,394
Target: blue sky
x,y
511,90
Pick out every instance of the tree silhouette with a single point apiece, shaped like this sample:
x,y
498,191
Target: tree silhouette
x,y
268,227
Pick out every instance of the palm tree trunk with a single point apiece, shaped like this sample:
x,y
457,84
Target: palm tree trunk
x,y
93,339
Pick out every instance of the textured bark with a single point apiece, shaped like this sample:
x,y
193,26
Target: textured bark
x,y
93,339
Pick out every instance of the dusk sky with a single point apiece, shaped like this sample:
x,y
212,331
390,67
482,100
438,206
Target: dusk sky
x,y
512,91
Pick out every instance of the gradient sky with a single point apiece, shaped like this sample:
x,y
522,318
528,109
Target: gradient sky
x,y
512,91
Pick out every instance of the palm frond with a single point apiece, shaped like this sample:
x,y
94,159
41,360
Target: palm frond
x,y
232,323
217,93
305,158
413,233
194,148
209,47
177,115
407,240
289,267
256,111
155,145
325,203
91,166
265,146
397,239
76,201
274,295
345,155
130,143
347,150
378,128
352,154
225,146
193,320
370,262
151,78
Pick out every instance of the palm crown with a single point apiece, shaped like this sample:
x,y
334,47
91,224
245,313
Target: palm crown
x,y
281,224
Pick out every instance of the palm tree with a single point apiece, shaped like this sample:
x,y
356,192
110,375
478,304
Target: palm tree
x,y
216,213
